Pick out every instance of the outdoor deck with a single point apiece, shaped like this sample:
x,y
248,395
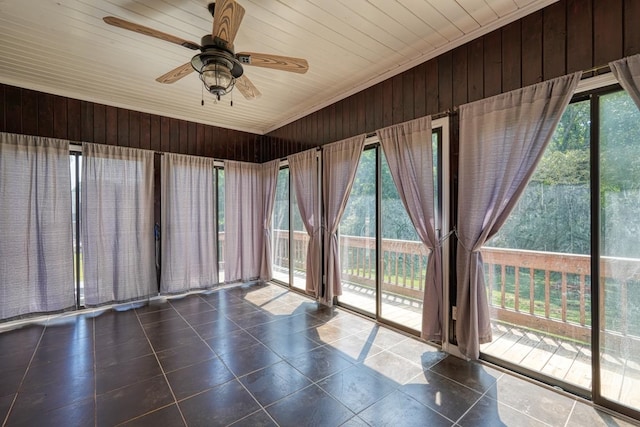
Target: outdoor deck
x,y
552,356
540,306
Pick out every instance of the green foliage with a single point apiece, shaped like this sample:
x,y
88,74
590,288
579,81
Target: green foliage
x,y
573,130
554,212
359,216
568,167
550,218
619,142
280,218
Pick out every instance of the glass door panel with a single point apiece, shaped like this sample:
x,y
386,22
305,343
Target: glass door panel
x,y
404,258
358,238
76,172
299,245
619,250
280,232
537,268
221,195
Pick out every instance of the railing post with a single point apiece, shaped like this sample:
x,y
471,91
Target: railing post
x,y
547,293
516,302
532,291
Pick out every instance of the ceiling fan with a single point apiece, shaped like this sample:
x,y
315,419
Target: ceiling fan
x,y
220,68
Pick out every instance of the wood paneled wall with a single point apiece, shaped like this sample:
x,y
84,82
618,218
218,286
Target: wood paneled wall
x,y
36,113
567,36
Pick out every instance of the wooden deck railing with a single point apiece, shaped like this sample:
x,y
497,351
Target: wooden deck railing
x,y
504,271
543,291
404,262
557,292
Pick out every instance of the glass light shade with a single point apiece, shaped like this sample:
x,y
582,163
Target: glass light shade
x,y
216,77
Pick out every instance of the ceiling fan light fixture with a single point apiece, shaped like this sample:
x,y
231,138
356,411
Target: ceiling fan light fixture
x,y
218,70
217,79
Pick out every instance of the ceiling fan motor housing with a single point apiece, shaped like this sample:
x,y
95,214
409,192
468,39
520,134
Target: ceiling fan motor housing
x,y
217,66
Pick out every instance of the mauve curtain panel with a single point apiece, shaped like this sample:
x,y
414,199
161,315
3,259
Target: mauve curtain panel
x,y
36,252
304,177
339,164
501,141
189,229
117,224
409,152
627,71
247,228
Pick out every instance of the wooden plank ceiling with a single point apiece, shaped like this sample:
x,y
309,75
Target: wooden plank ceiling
x,y
64,47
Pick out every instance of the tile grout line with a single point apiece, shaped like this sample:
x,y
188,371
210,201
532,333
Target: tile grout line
x,y
283,359
15,397
478,400
312,382
573,408
223,363
503,374
356,363
164,374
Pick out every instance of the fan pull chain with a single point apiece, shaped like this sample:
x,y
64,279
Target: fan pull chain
x,y
202,95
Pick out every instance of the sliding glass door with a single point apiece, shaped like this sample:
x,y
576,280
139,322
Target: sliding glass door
x,y
619,249
537,268
383,260
563,274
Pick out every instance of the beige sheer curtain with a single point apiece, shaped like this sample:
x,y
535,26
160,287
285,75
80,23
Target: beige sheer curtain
x,y
339,164
303,168
117,224
409,153
627,71
249,193
36,253
189,232
501,141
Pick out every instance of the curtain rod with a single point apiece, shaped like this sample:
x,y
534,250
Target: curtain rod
x,y
435,116
596,68
160,153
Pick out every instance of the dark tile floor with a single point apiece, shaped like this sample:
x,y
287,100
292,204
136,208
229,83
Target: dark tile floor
x,y
255,355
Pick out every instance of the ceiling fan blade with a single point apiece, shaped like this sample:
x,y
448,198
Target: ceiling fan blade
x,y
176,74
226,20
121,23
246,88
277,62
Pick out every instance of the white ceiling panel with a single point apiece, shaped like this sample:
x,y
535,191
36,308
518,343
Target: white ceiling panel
x,y
64,47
